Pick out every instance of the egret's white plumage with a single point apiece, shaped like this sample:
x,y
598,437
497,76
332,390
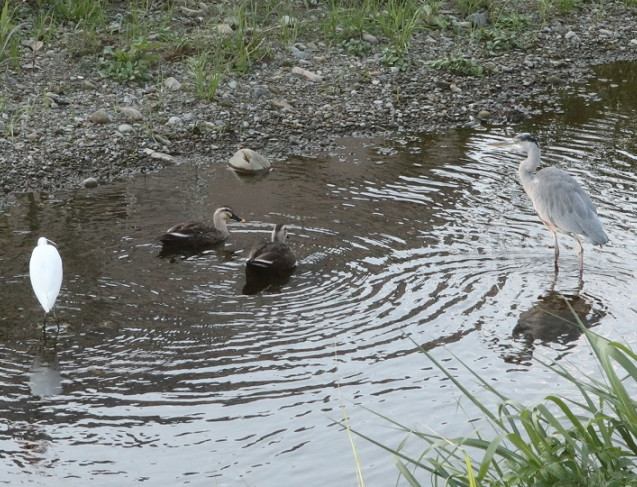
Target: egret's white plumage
x,y
45,271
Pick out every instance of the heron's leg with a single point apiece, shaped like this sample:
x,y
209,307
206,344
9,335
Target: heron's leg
x,y
557,252
580,253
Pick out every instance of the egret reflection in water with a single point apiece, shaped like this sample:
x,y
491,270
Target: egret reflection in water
x,y
45,379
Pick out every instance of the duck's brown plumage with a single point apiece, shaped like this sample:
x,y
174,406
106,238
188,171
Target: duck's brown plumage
x,y
193,234
274,256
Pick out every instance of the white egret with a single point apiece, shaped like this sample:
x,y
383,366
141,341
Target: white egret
x,y
45,271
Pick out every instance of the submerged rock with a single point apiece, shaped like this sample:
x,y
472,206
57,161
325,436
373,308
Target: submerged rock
x,y
247,160
89,183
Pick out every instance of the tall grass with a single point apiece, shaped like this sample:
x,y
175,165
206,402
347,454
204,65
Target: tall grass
x,y
587,440
8,29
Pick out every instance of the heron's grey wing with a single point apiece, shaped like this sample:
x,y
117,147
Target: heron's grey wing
x,y
562,205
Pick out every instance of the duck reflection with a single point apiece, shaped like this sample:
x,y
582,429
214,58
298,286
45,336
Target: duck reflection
x,y
175,255
257,282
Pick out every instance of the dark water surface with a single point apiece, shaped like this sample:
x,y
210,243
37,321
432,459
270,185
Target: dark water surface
x,y
164,372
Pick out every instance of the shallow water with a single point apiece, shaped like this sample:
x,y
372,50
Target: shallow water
x,y
166,371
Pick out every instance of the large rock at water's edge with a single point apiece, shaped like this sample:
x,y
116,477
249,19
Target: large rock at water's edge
x,y
247,160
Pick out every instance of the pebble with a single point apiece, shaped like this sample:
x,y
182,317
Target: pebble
x,y
367,37
286,20
225,29
99,117
174,120
317,78
158,155
484,115
131,113
478,19
259,91
124,128
172,84
572,36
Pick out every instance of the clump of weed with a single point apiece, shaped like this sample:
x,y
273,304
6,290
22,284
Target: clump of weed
x,y
131,64
457,64
207,75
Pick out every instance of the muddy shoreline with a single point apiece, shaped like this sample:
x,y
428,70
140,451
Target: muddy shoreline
x,y
64,123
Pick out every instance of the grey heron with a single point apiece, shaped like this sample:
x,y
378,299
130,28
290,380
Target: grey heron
x,y
558,199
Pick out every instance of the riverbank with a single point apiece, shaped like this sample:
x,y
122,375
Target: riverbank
x,y
67,115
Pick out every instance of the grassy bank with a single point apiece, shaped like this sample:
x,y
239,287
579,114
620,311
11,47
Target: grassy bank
x,y
129,41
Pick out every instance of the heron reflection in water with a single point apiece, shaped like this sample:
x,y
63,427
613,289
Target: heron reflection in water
x,y
553,318
558,199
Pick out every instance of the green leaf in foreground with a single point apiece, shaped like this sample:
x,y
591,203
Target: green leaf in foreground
x,y
589,440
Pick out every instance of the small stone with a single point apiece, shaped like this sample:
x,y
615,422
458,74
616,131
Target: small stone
x,y
286,20
484,115
190,12
307,74
478,19
131,113
99,117
247,160
224,29
455,88
572,36
172,84
298,53
124,128
174,120
633,42
279,104
259,91
367,37
159,155
89,183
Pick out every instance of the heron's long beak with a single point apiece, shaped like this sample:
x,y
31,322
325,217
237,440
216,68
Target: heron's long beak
x,y
501,144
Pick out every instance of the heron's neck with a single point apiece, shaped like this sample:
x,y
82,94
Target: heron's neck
x,y
528,166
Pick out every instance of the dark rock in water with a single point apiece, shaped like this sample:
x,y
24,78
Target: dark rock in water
x,y
89,183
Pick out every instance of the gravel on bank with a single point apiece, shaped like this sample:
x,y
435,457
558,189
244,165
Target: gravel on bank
x,y
70,126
